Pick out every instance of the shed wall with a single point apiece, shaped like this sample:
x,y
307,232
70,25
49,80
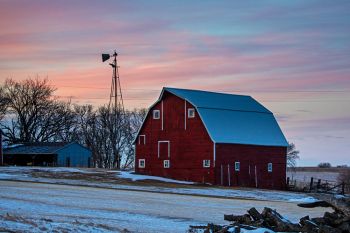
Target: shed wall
x,y
78,155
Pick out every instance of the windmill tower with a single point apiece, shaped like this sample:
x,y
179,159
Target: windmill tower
x,y
116,106
116,96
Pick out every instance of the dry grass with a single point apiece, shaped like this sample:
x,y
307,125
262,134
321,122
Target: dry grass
x,y
103,176
344,176
15,218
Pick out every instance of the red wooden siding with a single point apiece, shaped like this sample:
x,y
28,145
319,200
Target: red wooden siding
x,y
255,157
188,147
185,142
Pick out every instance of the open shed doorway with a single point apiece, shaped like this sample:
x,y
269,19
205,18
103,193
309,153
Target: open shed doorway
x,y
45,160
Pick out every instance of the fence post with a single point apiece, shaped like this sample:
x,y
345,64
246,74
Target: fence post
x,y
287,183
318,184
311,183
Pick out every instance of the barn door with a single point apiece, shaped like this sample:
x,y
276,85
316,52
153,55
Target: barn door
x,y
164,149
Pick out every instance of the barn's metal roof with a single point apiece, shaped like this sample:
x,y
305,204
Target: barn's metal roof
x,y
234,119
206,99
36,148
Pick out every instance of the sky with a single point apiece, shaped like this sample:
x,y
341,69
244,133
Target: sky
x,y
292,56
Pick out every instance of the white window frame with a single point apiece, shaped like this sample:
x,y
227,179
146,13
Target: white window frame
x,y
237,166
166,163
191,113
156,111
269,167
206,163
144,163
159,142
144,139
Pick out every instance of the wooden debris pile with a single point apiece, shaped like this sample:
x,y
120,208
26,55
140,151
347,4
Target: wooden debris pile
x,y
270,220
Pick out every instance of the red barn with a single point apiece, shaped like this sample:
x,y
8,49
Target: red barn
x,y
215,138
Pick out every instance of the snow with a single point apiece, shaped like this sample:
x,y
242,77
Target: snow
x,y
24,174
11,146
62,169
65,208
304,200
135,177
339,196
7,176
258,230
43,169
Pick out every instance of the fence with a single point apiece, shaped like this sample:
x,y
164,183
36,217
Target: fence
x,y
318,185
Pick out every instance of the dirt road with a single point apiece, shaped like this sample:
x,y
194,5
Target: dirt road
x,y
106,209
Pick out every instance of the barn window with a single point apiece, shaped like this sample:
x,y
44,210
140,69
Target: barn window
x,y
237,166
206,163
166,163
142,139
142,163
269,167
156,114
190,113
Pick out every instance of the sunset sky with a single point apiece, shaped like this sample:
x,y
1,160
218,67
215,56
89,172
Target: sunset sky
x,y
292,56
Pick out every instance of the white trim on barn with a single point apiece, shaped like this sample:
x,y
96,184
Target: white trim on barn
x,y
168,147
206,163
191,113
142,163
185,115
228,175
144,139
214,154
162,116
166,163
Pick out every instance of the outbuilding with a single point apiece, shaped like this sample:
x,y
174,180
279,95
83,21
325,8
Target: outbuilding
x,y
52,154
208,137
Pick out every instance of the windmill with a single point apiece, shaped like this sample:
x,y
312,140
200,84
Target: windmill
x,y
116,96
116,104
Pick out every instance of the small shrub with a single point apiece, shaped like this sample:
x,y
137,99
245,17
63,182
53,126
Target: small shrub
x,y
344,176
324,165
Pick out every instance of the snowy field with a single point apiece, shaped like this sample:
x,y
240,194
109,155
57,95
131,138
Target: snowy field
x,y
34,199
129,181
305,176
36,207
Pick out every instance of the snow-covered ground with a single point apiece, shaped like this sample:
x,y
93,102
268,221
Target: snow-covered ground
x,y
134,177
28,174
36,207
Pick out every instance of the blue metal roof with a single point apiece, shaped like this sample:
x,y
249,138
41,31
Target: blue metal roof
x,y
36,148
234,119
206,99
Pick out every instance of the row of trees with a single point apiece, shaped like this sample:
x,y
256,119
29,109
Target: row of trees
x,y
29,112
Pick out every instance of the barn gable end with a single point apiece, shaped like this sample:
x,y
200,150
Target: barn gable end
x,y
175,137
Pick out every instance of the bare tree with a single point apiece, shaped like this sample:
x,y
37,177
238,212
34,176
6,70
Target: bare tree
x,y
324,165
3,103
292,155
135,118
108,134
34,115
